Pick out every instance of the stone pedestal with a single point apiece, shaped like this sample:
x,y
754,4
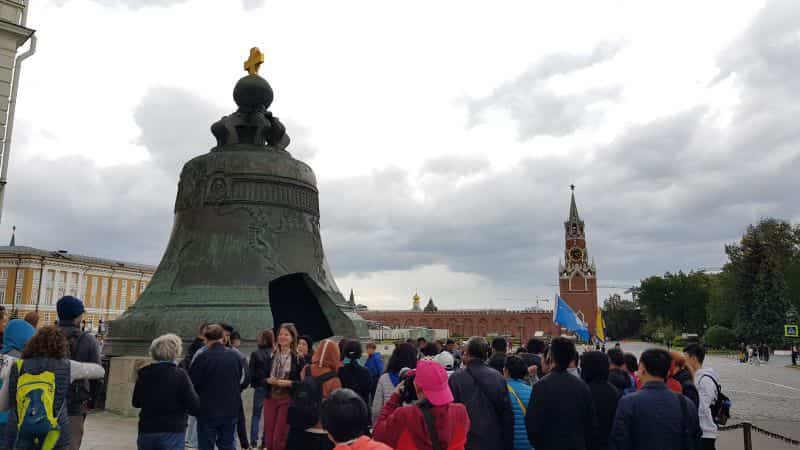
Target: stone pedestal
x,y
121,380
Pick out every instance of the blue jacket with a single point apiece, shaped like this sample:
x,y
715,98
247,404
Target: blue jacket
x,y
375,365
653,419
523,392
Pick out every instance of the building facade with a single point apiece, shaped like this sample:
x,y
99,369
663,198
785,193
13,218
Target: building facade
x,y
33,280
577,279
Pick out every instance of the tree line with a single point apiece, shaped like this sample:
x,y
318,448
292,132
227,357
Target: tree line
x,y
749,300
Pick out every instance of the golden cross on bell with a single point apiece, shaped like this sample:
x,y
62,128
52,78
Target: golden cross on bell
x,y
254,62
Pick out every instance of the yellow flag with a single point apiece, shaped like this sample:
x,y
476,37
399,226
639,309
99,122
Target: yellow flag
x,y
601,326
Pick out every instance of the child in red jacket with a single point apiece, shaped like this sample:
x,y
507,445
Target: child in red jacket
x,y
407,427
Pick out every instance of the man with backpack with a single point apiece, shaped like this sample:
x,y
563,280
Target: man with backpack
x,y
83,348
710,392
484,392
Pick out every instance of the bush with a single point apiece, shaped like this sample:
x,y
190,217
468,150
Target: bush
x,y
720,337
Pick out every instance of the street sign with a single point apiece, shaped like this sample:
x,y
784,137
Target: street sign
x,y
791,331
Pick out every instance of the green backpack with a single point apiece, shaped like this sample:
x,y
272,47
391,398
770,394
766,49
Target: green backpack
x,y
37,420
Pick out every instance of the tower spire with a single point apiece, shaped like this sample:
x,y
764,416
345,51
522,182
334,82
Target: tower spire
x,y
13,242
573,208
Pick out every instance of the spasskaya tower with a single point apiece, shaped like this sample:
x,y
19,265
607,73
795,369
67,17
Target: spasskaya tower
x,y
577,278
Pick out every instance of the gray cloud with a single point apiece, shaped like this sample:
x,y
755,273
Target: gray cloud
x,y
456,166
248,5
130,4
536,108
664,195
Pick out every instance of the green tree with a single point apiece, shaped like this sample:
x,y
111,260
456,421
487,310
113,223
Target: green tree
x,y
764,269
676,301
622,317
722,306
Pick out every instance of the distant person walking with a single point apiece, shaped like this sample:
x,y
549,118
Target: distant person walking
x,y
561,412
166,396
654,418
83,348
484,392
374,364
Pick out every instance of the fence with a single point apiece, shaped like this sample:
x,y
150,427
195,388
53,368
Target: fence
x,y
747,434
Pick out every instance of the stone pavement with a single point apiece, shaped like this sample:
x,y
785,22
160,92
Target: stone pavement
x,y
106,431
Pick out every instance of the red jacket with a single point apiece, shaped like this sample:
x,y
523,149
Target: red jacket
x,y
363,443
404,428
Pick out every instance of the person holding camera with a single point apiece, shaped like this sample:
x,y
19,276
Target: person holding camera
x,y
432,422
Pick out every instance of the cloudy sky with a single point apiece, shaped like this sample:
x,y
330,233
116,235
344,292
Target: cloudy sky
x,y
444,135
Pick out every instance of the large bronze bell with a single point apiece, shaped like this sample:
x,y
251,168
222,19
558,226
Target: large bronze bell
x,y
245,247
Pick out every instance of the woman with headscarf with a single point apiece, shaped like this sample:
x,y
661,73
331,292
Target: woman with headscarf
x,y
326,359
18,333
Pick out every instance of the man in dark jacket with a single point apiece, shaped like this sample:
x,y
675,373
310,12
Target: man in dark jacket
x,y
655,418
617,374
498,359
217,374
484,392
561,411
594,371
83,348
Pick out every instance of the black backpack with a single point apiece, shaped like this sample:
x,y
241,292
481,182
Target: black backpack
x,y
306,400
721,408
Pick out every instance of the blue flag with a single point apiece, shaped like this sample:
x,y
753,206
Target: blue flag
x,y
566,317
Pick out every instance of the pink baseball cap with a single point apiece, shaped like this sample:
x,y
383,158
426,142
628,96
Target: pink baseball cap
x,y
432,379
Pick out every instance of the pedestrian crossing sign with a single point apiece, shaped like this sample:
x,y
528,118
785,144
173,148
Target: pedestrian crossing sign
x,y
791,331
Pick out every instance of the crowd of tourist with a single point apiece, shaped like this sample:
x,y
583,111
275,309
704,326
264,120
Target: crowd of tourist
x,y
328,395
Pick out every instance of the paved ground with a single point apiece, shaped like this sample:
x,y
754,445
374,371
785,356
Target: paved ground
x,y
766,395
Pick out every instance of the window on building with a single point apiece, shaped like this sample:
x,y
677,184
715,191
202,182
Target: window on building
x,y
94,291
114,293
124,295
3,284
48,296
